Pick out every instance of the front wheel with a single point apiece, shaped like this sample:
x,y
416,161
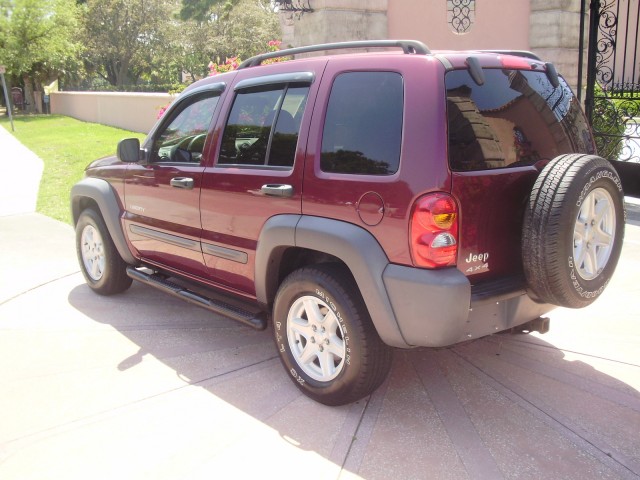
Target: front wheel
x,y
325,337
101,264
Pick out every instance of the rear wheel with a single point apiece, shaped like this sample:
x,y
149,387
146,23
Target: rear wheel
x,y
573,230
325,337
101,264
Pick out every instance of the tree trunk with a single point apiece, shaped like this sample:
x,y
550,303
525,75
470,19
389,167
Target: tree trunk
x,y
29,99
122,74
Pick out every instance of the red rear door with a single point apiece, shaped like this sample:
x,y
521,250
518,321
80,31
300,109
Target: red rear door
x,y
258,167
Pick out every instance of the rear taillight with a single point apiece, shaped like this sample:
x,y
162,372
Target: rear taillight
x,y
434,231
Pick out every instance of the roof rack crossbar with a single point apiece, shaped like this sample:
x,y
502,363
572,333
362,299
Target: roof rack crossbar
x,y
408,47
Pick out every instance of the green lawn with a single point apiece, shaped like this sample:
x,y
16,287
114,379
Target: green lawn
x,y
66,146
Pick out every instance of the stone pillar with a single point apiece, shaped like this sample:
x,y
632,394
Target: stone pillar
x,y
335,21
555,35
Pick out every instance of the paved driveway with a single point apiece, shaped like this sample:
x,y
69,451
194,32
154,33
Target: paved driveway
x,y
142,385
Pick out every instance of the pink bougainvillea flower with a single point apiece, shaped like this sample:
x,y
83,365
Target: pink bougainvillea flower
x,y
161,111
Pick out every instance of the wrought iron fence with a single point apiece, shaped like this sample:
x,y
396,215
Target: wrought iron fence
x,y
613,78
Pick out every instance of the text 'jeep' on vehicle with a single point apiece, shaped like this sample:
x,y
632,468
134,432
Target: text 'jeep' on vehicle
x,y
359,202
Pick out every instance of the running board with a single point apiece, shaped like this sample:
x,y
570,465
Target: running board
x,y
257,321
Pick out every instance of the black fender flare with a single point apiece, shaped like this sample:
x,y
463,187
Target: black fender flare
x,y
102,193
353,245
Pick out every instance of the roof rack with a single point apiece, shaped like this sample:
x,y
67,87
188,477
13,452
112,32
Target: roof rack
x,y
515,53
408,47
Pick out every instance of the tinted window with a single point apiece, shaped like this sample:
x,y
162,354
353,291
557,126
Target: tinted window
x,y
263,126
516,118
363,126
183,138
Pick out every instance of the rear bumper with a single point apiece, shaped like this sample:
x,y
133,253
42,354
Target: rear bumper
x,y
436,308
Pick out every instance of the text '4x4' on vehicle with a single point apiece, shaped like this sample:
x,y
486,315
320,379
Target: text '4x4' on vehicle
x,y
358,202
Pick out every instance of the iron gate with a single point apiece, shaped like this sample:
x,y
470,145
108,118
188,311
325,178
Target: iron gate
x,y
612,99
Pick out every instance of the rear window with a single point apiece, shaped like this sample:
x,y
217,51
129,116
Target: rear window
x,y
516,118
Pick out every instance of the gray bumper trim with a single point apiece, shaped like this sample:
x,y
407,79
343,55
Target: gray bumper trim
x,y
434,308
430,306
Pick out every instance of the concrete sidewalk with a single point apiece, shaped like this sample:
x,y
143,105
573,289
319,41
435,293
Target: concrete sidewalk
x,y
33,248
144,386
22,170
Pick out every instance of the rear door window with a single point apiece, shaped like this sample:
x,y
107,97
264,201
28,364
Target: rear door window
x,y
263,126
516,118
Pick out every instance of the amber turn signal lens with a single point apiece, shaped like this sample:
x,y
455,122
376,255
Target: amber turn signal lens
x,y
444,220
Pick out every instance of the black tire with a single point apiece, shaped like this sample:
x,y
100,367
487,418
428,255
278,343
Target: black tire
x,y
573,230
101,264
349,331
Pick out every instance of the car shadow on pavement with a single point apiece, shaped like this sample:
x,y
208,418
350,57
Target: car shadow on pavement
x,y
633,212
502,406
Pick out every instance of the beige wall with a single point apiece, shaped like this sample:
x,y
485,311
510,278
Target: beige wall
x,y
132,111
498,24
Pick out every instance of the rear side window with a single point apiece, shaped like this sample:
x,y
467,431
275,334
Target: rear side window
x,y
263,126
516,118
363,126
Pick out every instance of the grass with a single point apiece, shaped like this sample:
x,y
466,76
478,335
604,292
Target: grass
x,y
66,146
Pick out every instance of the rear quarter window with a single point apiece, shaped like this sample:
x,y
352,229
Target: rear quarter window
x,y
363,125
516,118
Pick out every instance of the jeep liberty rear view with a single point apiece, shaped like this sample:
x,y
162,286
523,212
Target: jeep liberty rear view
x,y
358,202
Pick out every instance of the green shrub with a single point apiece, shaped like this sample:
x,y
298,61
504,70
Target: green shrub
x,y
608,127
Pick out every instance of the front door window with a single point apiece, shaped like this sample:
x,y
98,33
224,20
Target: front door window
x,y
182,139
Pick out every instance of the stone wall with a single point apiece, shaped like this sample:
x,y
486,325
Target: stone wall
x,y
335,21
554,35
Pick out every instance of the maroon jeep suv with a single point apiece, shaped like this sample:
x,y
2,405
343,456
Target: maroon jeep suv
x,y
358,202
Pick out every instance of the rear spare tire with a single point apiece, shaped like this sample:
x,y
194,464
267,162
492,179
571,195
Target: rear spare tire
x,y
573,230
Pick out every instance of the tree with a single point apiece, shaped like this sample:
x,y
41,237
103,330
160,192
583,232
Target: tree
x,y
200,10
125,38
225,32
38,41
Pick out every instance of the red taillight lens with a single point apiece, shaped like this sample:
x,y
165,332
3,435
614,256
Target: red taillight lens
x,y
434,231
515,63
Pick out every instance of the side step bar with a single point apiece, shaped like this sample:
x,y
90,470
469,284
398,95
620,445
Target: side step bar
x,y
257,321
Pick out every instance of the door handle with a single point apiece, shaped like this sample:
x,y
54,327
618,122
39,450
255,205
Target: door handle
x,y
277,190
182,182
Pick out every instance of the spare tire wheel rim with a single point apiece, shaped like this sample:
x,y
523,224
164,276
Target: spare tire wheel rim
x,y
594,234
92,252
316,338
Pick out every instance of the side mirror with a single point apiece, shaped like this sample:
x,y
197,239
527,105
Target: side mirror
x,y
129,150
